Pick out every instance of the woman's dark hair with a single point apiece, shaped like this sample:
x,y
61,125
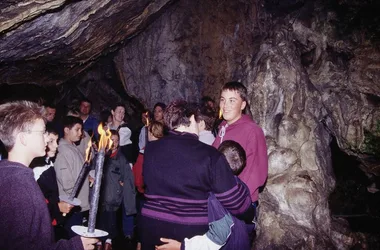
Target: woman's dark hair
x,y
160,104
178,113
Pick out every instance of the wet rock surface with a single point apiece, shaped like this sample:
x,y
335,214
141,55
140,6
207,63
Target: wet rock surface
x,y
311,68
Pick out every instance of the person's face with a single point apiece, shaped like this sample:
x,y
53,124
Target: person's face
x,y
85,108
115,141
118,114
36,139
232,105
74,134
52,145
158,114
50,114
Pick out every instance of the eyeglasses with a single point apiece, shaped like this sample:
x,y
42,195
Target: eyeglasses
x,y
42,132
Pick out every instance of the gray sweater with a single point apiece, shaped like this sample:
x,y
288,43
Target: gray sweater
x,y
68,165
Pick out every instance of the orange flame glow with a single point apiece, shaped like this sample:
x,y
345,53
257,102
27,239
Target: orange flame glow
x,y
88,151
105,141
220,113
147,119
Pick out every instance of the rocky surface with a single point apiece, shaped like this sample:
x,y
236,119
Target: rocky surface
x,y
307,85
48,42
311,67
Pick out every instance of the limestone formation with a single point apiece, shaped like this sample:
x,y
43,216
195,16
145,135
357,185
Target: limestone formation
x,y
311,68
49,42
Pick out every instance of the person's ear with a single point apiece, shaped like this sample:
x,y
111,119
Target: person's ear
x,y
243,104
113,113
66,130
22,137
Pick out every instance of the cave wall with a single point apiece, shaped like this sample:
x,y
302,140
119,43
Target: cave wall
x,y
306,82
190,51
311,68
49,42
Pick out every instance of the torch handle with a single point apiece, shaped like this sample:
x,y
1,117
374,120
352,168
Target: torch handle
x,y
96,191
79,181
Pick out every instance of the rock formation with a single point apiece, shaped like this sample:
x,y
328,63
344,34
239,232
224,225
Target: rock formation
x,y
311,68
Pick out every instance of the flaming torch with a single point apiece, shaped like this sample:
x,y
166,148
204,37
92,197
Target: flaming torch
x,y
105,143
79,182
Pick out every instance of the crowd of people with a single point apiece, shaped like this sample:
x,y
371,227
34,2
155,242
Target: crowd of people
x,y
187,179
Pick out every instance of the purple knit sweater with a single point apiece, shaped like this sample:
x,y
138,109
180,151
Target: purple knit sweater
x,y
179,172
24,216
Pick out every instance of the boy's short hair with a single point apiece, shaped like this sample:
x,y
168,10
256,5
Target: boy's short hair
x,y
84,99
234,154
50,129
70,121
178,113
208,117
156,129
16,117
238,87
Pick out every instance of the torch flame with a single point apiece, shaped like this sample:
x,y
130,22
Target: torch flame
x,y
220,113
147,118
105,141
88,151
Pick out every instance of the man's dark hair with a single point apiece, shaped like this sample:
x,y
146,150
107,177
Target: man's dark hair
x,y
178,113
85,100
208,116
238,87
119,104
70,121
234,154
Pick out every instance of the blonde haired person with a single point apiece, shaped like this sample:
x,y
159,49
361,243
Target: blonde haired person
x,y
24,218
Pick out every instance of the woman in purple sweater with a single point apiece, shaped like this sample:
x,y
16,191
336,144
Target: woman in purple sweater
x,y
179,172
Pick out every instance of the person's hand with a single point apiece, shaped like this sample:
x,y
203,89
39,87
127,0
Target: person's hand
x,y
64,207
169,244
88,243
121,183
91,180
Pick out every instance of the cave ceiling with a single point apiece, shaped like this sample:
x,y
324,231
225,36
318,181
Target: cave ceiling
x,y
48,42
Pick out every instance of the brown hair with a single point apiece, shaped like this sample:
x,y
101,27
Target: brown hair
x,y
16,117
234,154
156,129
178,113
